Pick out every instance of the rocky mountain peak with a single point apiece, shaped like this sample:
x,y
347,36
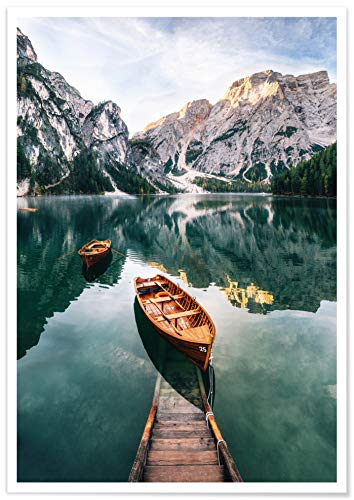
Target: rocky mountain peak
x,y
171,134
192,111
103,125
195,110
265,122
25,49
66,142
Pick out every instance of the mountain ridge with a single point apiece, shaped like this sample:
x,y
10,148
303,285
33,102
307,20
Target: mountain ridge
x,y
263,123
56,126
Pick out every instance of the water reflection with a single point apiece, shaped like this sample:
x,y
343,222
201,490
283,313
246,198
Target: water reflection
x,y
91,369
286,248
250,297
93,272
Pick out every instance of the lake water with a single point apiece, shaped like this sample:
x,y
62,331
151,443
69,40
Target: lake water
x,y
264,268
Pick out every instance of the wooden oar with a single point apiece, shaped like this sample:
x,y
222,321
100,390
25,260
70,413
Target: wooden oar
x,y
69,253
72,251
169,320
170,294
180,305
116,251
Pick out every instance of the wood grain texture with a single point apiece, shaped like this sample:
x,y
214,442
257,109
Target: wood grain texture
x,y
199,443
177,444
181,457
186,473
183,322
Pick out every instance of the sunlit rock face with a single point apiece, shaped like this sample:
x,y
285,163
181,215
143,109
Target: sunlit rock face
x,y
264,123
172,134
55,124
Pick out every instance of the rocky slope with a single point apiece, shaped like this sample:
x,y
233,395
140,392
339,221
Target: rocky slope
x,y
265,122
64,139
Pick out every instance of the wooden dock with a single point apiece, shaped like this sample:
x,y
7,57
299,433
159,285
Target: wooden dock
x,y
181,441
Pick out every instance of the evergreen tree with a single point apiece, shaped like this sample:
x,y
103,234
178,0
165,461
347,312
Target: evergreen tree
x,y
23,165
315,177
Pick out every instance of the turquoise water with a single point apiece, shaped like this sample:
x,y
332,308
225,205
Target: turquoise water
x,y
266,271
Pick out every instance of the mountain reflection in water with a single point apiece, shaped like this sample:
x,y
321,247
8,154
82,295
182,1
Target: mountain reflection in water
x,y
285,248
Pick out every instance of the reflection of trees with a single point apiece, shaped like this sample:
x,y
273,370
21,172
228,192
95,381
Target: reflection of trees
x,y
251,297
285,247
47,284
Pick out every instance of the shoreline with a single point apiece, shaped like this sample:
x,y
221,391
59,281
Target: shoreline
x,y
303,197
124,195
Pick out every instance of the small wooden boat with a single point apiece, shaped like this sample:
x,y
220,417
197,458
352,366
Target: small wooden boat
x,y
94,251
28,209
178,317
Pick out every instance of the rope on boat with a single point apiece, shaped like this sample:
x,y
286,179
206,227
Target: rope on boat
x,y
217,448
116,251
72,251
65,255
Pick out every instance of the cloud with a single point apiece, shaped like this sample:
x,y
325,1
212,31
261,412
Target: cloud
x,y
153,66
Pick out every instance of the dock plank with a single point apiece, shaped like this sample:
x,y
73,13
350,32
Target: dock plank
x,y
180,425
181,417
174,434
200,443
180,457
186,473
172,405
179,445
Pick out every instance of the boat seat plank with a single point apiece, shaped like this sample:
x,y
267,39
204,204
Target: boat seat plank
x,y
177,316
150,284
181,314
166,299
198,333
159,318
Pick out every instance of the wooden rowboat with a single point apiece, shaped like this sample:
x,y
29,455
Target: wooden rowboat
x,y
177,317
94,251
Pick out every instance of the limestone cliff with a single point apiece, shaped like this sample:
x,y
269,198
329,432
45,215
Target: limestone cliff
x,y
264,123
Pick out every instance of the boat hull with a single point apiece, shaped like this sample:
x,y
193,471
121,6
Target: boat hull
x,y
91,260
95,270
94,251
190,349
197,351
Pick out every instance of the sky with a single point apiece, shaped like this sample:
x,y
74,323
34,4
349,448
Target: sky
x,y
153,66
